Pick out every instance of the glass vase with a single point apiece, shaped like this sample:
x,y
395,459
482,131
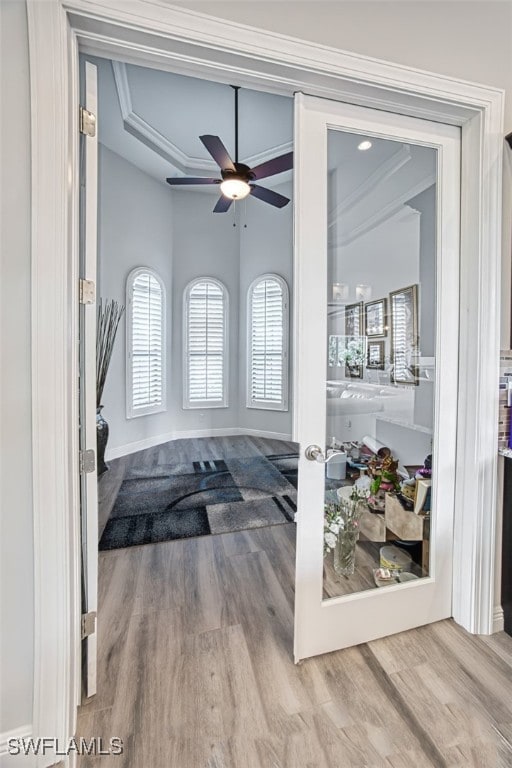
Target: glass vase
x,y
345,553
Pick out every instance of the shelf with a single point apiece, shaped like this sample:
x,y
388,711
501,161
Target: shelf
x,y
404,423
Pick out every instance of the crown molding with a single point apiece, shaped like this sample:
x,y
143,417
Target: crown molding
x,y
383,172
387,212
140,129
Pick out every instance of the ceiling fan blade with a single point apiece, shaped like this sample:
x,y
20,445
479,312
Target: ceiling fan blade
x,y
269,196
223,204
183,180
271,167
219,152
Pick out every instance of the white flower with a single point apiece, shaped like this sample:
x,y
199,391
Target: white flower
x,y
330,540
334,528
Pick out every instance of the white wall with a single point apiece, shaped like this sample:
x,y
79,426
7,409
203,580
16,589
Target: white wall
x,y
16,538
470,40
134,229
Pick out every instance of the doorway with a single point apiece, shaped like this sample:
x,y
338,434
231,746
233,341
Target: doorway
x,y
477,108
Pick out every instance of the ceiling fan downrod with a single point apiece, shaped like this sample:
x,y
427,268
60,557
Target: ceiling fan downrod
x,y
236,88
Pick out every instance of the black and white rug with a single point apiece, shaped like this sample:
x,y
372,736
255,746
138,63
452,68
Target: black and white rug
x,y
177,501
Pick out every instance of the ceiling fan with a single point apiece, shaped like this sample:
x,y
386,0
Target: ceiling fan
x,y
237,179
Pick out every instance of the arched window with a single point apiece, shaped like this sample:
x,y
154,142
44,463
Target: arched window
x,y
267,343
205,326
145,343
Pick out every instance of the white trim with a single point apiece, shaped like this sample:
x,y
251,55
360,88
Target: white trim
x,y
152,33
131,412
269,405
387,212
224,403
23,732
53,57
151,442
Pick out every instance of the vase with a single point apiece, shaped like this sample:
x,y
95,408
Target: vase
x,y
345,553
101,440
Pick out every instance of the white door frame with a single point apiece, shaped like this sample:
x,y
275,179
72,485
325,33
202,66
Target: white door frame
x,y
152,33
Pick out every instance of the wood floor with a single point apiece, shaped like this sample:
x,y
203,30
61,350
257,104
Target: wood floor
x,y
196,671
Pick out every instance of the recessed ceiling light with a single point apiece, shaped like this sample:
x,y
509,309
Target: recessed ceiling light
x,y
364,145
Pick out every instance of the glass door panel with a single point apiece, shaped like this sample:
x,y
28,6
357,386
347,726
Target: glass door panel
x,y
380,374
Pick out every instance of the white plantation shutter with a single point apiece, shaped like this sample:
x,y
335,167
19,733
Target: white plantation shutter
x,y
205,308
267,317
146,343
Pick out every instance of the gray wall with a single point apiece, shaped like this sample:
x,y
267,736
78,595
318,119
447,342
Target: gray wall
x,y
396,31
266,245
205,244
16,538
142,223
468,39
134,230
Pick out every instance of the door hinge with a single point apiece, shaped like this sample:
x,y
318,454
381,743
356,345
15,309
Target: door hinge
x,y
87,122
87,291
87,461
88,624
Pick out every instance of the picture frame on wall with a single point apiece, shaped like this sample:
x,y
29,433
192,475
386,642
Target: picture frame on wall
x,y
354,319
403,305
375,355
375,318
354,350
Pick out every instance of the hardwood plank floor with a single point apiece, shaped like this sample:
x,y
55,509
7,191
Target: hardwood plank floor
x,y
195,670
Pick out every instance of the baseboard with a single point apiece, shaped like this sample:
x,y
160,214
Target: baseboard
x,y
21,760
151,442
498,619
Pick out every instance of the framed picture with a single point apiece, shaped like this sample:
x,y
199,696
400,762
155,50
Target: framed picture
x,y
354,319
354,343
404,335
375,355
375,316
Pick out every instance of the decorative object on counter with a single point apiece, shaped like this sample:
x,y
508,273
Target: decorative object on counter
x,y
341,530
336,468
395,559
414,493
110,313
384,478
363,483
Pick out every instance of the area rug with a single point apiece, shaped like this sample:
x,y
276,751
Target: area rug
x,y
177,501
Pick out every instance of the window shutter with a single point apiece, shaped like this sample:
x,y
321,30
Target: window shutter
x,y
206,345
147,343
268,344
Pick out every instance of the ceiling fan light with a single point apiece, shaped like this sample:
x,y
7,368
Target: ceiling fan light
x,y
236,189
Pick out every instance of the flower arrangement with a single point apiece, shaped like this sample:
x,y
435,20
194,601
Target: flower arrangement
x,y
353,355
342,516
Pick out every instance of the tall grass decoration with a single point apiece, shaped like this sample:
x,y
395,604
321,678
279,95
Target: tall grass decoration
x,y
110,313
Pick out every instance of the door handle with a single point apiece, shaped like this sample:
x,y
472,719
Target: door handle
x,y
315,453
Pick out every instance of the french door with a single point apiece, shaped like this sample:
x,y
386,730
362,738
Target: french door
x,y
87,332
377,206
